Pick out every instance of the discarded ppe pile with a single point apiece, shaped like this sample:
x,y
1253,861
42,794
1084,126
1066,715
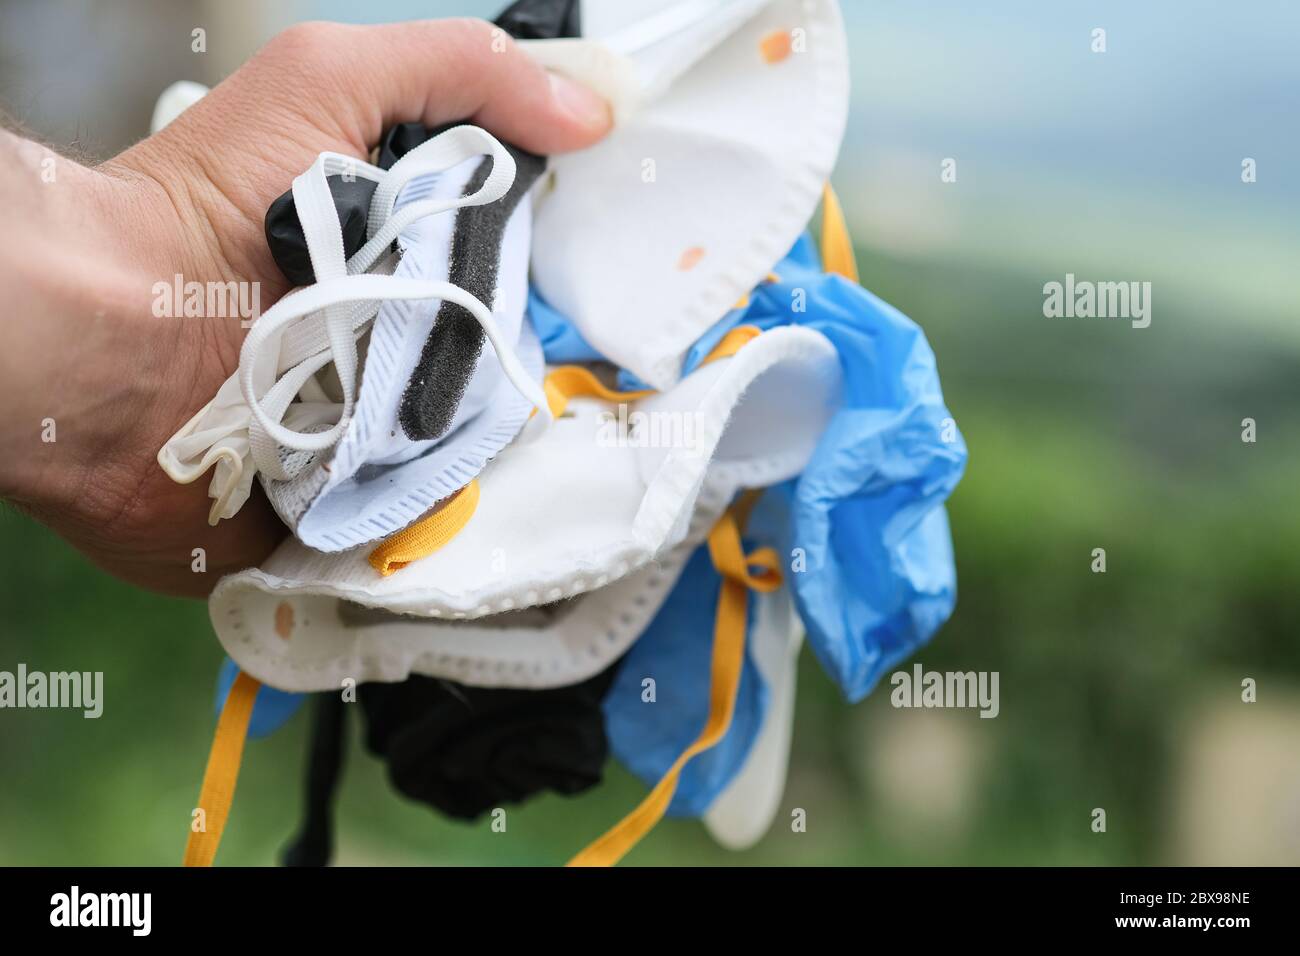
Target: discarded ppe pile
x,y
576,450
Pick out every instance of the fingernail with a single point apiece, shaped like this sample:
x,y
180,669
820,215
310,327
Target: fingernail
x,y
580,102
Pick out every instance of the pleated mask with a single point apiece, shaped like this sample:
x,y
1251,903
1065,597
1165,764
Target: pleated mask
x,y
434,405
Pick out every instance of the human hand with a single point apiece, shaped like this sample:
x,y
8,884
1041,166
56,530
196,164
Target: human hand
x,y
84,247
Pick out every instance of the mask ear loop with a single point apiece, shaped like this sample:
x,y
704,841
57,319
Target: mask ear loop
x,y
447,149
276,403
324,237
836,246
218,790
427,535
731,561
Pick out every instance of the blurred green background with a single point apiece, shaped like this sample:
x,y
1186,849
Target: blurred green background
x,y
1119,690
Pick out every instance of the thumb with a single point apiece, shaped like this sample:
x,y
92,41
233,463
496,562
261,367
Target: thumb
x,y
367,78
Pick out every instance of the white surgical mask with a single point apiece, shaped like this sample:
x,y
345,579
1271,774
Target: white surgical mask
x,y
615,522
730,115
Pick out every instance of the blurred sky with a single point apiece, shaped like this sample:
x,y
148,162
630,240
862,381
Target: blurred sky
x,y
1125,164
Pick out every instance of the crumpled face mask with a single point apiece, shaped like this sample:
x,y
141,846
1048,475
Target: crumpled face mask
x,y
465,750
551,645
627,484
706,93
335,467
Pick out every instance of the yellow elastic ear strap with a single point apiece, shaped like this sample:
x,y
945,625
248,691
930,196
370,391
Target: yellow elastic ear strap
x,y
428,534
837,247
578,381
567,382
732,342
222,773
728,660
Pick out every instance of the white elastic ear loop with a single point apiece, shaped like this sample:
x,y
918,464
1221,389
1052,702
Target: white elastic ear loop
x,y
349,167
278,403
265,452
324,237
448,149
279,400
375,288
304,351
444,151
305,339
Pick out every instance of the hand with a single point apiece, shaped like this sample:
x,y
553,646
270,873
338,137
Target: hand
x,y
84,360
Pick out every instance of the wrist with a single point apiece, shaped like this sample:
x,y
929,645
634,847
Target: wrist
x,y
76,355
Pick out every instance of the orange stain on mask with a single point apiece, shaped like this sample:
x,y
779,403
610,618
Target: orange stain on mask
x,y
690,258
775,46
284,620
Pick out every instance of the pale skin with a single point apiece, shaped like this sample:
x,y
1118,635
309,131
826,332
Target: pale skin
x,y
79,256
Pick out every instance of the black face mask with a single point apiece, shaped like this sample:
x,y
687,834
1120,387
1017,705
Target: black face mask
x,y
466,750
462,750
